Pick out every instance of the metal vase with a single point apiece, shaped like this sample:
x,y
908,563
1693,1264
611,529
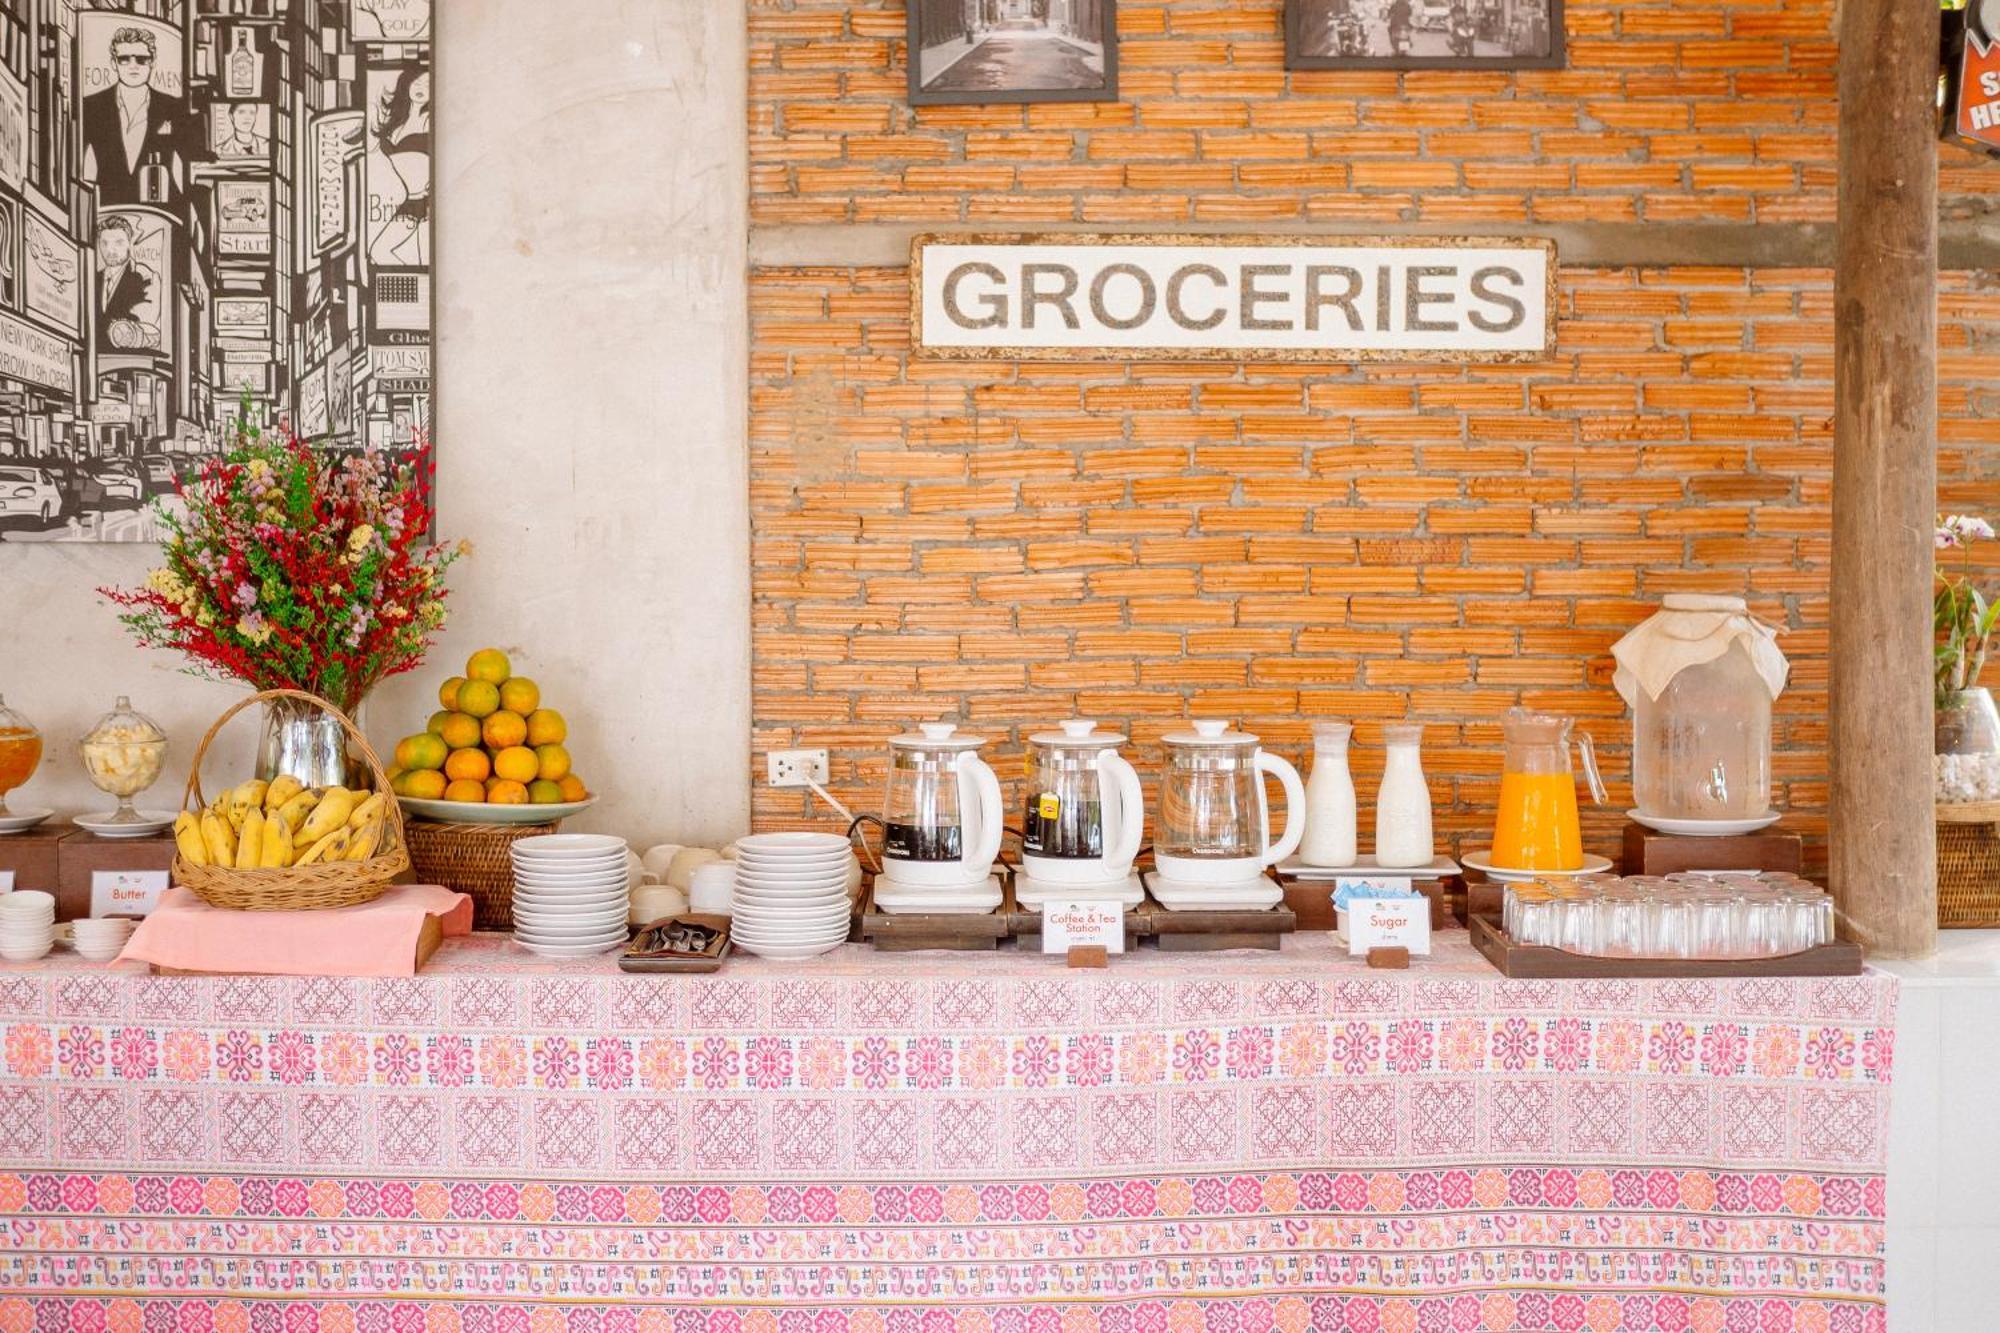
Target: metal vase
x,y
308,743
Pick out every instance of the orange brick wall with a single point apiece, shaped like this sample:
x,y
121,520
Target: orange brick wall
x,y
1013,543
1702,110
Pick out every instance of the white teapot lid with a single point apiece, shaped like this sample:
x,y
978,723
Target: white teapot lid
x,y
936,736
1079,733
1209,732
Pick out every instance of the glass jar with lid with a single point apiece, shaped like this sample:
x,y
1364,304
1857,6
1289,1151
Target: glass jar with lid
x,y
941,810
20,753
1214,823
122,755
1701,675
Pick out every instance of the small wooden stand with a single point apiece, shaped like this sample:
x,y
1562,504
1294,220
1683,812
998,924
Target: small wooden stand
x,y
1650,852
83,855
32,855
1213,931
1088,955
1533,961
900,932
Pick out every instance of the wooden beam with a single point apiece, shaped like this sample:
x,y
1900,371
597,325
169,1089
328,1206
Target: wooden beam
x,y
1882,852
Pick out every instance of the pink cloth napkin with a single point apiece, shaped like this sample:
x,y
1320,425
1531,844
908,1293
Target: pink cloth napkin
x,y
374,939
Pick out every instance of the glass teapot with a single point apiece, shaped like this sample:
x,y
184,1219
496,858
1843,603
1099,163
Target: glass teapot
x,y
1086,811
1537,826
942,809
1215,818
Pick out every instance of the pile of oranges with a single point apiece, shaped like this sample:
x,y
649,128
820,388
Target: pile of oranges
x,y
492,743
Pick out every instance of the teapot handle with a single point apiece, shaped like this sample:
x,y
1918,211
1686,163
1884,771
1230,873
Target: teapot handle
x,y
1295,806
1124,813
983,842
1589,752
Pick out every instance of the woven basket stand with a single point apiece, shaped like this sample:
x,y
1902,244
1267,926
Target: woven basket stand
x,y
1968,865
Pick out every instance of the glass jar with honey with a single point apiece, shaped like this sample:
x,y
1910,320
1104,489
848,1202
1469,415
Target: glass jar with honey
x,y
20,752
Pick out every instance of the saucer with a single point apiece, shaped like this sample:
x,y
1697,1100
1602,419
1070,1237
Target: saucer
x,y
22,820
148,823
1592,865
1705,828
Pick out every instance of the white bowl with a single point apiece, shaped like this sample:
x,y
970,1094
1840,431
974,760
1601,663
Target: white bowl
x,y
569,845
25,953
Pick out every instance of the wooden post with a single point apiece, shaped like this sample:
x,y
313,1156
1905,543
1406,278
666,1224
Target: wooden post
x,y
1883,842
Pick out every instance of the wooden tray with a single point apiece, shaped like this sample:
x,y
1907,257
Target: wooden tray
x,y
1839,959
899,932
1211,932
1025,923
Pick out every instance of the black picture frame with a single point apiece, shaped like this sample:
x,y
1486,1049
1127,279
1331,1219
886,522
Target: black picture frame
x,y
1297,58
921,13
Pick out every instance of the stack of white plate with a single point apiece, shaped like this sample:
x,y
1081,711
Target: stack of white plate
x,y
27,924
790,898
101,938
570,893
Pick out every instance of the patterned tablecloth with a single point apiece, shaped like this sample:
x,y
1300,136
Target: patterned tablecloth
x,y
930,1141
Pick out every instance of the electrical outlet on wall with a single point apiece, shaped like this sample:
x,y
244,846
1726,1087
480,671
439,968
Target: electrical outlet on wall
x,y
793,768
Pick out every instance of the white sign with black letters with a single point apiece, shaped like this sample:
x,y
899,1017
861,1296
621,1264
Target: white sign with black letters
x,y
1233,298
126,892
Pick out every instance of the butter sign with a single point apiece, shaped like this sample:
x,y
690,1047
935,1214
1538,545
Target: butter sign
x,y
1235,298
126,892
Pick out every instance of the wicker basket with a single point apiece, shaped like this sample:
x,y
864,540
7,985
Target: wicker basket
x,y
1968,865
474,859
296,888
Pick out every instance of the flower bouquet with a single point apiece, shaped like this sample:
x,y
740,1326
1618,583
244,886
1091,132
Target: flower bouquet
x,y
298,570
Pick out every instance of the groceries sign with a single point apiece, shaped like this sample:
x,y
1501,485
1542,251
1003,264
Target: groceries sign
x,y
1232,298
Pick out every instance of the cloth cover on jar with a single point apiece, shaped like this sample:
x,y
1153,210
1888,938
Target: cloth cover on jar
x,y
1688,630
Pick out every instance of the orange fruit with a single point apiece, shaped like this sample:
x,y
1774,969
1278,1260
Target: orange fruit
x,y
424,785
465,789
421,751
546,727
552,762
489,665
448,692
503,729
573,788
520,695
436,725
543,792
507,793
516,763
459,730
399,783
477,698
468,764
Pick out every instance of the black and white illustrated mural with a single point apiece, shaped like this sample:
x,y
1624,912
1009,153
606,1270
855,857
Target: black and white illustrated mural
x,y
200,198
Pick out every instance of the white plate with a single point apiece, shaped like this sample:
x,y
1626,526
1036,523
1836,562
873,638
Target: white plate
x,y
791,844
833,858
790,907
784,952
1705,828
830,870
805,925
821,888
532,935
478,812
570,845
610,867
148,823
569,912
21,820
570,884
617,902
1592,865
572,950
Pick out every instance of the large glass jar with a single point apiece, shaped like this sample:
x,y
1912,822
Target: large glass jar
x,y
20,752
1702,749
1968,747
123,755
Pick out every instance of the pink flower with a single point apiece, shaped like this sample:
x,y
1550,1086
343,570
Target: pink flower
x,y
397,1060
716,1062
1775,1051
1462,1044
1302,1050
1620,1044
29,1050
81,1052
1515,1043
503,1062
1142,1057
1409,1050
822,1062
607,1062
1671,1047
1090,1059
982,1062
1724,1049
1356,1047
185,1055
450,1059
1566,1044
926,1062
134,1054
1197,1055
662,1063
1249,1052
1830,1053
555,1062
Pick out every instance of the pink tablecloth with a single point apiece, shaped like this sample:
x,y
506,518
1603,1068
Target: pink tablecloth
x,y
924,1141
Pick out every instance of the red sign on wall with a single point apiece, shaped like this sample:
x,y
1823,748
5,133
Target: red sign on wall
x,y
1979,92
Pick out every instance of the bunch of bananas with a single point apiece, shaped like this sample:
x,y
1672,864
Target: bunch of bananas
x,y
270,825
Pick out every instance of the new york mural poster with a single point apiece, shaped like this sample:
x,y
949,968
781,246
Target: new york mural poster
x,y
200,198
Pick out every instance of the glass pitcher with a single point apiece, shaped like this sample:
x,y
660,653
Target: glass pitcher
x,y
942,809
1537,825
1086,811
1215,819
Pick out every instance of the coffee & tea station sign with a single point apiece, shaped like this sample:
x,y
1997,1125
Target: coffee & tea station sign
x,y
1081,297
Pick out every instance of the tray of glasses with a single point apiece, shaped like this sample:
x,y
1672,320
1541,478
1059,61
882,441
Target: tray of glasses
x,y
1840,958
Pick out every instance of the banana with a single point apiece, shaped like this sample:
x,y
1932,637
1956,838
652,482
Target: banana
x,y
333,847
283,788
368,836
241,801
187,837
295,810
331,813
250,840
365,811
221,839
277,850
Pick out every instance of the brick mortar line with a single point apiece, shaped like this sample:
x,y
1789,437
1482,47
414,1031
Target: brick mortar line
x,y
1970,245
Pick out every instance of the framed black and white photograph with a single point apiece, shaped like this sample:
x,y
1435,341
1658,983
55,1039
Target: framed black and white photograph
x,y
1423,34
217,197
970,51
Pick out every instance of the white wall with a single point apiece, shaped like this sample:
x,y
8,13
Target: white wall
x,y
592,364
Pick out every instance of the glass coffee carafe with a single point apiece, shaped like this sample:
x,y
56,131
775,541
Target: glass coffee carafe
x,y
1537,828
1086,811
1215,819
942,809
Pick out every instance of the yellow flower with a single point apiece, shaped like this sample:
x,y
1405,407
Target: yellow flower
x,y
360,537
256,631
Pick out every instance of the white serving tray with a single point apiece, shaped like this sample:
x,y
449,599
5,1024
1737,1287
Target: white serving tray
x,y
1365,868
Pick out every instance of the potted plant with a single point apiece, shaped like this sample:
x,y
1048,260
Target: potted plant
x,y
292,568
1968,726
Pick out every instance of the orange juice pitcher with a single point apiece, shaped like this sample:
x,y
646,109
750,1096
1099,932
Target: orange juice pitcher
x,y
1537,825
